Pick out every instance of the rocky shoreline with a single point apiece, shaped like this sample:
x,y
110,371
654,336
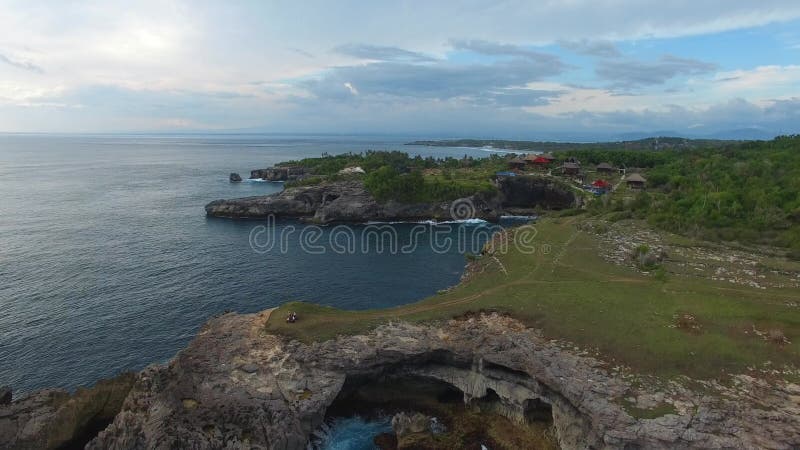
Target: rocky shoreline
x,y
349,201
235,386
238,386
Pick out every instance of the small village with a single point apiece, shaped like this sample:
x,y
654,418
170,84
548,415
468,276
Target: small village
x,y
599,179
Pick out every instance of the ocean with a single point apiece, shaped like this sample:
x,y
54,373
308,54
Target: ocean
x,y
108,262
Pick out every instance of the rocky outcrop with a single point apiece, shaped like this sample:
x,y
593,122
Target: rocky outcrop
x,y
349,201
534,191
54,418
235,178
237,387
403,424
278,173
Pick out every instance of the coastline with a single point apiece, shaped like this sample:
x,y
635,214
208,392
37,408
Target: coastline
x,y
242,381
249,380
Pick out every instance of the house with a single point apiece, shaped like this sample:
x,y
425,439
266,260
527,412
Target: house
x,y
600,186
516,164
571,168
605,168
547,156
636,181
540,161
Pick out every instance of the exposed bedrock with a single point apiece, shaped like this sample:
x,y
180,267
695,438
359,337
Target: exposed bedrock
x,y
349,201
235,386
346,201
278,173
54,418
529,192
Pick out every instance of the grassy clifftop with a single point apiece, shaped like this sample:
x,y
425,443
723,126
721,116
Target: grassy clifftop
x,y
701,312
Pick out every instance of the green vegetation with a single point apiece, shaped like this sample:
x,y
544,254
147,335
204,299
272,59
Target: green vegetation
x,y
714,190
621,158
746,192
397,176
387,184
695,313
570,292
369,161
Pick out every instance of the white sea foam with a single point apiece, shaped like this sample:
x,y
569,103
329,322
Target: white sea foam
x,y
261,180
430,222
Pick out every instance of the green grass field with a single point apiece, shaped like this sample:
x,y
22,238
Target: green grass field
x,y
571,293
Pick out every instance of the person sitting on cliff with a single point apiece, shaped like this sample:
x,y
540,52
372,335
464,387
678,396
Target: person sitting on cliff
x,y
292,317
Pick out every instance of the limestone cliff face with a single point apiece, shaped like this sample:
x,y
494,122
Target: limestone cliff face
x,y
278,173
238,387
530,191
349,201
346,201
53,418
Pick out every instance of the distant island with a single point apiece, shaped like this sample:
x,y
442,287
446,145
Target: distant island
x,y
653,143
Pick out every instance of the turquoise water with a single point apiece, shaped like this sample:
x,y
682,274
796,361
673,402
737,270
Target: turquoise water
x,y
353,433
108,263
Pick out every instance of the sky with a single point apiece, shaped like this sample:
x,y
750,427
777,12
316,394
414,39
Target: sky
x,y
549,69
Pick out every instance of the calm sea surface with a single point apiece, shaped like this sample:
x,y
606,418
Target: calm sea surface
x,y
108,263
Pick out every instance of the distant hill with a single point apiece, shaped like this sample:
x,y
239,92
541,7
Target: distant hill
x,y
650,143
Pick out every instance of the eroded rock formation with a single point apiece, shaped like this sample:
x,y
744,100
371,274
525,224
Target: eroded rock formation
x,y
278,173
346,201
54,418
349,201
237,387
532,191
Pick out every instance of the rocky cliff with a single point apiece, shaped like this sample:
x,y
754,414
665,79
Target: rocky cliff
x,y
237,387
54,418
349,201
278,173
531,191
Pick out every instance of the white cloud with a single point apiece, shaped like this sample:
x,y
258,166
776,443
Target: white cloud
x,y
250,62
350,88
764,81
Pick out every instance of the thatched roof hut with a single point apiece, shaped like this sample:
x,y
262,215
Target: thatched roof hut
x,y
605,167
571,168
636,181
516,163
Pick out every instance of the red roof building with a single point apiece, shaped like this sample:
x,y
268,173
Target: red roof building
x,y
603,184
541,160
